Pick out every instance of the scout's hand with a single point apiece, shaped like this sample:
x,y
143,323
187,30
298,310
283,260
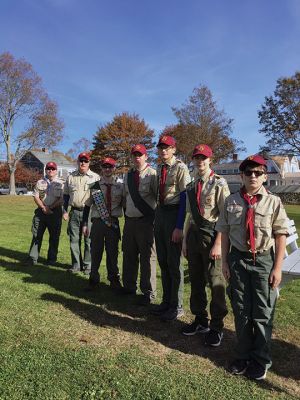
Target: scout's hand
x,y
46,210
85,231
184,248
275,278
226,271
177,235
215,252
65,216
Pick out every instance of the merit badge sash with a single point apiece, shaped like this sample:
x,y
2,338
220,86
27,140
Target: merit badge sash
x,y
99,201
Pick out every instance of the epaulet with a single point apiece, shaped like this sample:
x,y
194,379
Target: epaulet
x,y
220,181
180,163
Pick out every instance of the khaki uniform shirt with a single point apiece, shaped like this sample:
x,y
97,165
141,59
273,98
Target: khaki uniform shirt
x,y
177,178
116,199
49,191
147,190
77,187
270,219
213,195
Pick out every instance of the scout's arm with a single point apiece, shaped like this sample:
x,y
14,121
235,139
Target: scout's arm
x,y
275,275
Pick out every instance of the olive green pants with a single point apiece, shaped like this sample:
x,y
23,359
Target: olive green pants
x,y
253,303
203,270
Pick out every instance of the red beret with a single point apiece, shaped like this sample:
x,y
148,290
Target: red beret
x,y
84,154
109,161
255,159
168,140
139,148
202,149
51,164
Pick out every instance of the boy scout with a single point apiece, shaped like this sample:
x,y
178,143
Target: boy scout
x,y
105,200
173,177
76,192
48,195
254,228
140,192
202,247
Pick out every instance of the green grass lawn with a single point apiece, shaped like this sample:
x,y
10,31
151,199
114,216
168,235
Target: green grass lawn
x,y
58,341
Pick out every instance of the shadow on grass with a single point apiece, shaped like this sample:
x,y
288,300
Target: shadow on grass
x,y
136,319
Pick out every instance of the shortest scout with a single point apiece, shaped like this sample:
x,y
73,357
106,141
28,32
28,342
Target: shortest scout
x,y
48,196
105,202
254,229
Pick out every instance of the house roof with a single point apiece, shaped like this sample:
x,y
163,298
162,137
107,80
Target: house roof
x,y
60,159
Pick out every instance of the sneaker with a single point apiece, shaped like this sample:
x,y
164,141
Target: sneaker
x,y
159,309
193,328
256,371
51,263
172,313
213,338
238,367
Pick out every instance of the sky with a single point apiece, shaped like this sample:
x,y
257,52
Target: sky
x,y
98,58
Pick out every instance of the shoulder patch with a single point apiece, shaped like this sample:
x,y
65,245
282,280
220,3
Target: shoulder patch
x,y
221,182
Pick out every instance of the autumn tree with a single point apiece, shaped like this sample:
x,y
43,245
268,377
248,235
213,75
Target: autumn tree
x,y
116,138
24,100
200,121
24,176
83,144
280,117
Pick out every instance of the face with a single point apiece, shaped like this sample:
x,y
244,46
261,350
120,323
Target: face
x,y
139,159
201,163
107,170
253,178
166,152
83,165
51,172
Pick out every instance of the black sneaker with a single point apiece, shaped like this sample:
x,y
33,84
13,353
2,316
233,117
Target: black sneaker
x,y
213,338
193,328
256,371
238,367
172,313
159,309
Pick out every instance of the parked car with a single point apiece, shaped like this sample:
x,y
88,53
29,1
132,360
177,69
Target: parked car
x,y
20,190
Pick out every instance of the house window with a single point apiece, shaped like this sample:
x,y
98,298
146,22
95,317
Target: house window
x,y
224,171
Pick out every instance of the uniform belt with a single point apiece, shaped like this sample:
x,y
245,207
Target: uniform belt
x,y
77,208
249,254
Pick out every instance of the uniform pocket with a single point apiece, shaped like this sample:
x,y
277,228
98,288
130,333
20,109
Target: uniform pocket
x,y
235,213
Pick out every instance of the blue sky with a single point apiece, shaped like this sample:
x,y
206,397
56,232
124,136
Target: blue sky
x,y
99,57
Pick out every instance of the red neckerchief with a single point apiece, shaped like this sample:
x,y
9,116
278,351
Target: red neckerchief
x,y
162,184
250,218
136,175
199,191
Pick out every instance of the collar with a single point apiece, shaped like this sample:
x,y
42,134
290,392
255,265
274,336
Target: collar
x,y
204,177
171,162
261,191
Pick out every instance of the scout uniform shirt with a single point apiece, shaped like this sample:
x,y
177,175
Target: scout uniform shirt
x,y
49,191
177,178
147,190
77,187
213,195
116,198
270,219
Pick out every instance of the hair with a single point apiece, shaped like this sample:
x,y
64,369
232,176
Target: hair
x,y
254,164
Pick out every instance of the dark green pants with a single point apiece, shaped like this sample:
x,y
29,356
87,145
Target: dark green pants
x,y
79,261
40,223
203,271
253,303
139,249
168,255
108,237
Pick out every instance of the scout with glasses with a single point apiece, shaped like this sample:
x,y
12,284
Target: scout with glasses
x,y
140,192
254,228
202,247
47,195
104,205
173,176
76,192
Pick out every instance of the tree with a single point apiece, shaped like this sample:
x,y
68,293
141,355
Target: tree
x,y
116,138
200,121
280,116
24,176
81,145
23,99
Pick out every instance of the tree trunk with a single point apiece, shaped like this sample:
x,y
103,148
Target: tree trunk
x,y
12,181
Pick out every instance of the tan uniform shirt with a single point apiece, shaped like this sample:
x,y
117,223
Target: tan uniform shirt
x,y
116,199
177,178
77,187
49,191
213,195
270,219
147,190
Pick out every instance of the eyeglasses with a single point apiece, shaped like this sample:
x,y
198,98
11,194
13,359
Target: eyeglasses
x,y
256,173
137,154
50,169
84,161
